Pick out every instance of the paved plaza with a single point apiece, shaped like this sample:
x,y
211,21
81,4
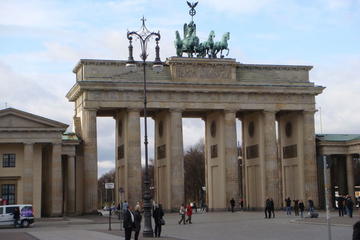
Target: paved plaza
x,y
209,226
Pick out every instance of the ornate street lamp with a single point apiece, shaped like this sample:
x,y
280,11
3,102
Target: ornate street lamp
x,y
144,36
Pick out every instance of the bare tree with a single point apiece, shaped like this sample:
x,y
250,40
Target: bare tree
x,y
194,166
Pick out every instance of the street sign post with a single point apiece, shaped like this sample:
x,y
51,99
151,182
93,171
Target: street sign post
x,y
109,186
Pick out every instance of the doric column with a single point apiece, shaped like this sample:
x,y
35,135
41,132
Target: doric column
x,y
231,158
71,184
56,181
350,175
28,178
133,153
89,136
176,159
310,168
271,161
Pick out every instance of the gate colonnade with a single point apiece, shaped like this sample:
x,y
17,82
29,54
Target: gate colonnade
x,y
279,161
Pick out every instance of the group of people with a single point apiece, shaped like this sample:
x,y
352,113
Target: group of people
x,y
185,211
299,207
345,205
133,217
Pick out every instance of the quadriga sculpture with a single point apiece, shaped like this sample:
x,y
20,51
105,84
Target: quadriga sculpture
x,y
190,42
220,46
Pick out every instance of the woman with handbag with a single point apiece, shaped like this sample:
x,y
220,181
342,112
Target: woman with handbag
x,y
137,221
158,215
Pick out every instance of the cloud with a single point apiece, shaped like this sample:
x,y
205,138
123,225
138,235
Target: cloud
x,y
106,165
339,102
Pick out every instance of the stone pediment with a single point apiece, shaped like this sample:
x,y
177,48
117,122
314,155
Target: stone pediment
x,y
14,119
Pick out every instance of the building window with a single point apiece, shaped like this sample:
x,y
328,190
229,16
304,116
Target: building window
x,y
9,160
8,193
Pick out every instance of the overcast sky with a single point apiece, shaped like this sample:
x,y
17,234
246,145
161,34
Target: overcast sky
x,y
41,41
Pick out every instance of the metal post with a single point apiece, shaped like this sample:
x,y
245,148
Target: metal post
x,y
144,36
107,191
327,194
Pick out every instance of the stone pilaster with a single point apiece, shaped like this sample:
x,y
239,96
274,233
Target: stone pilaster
x,y
89,135
271,162
231,158
350,175
133,160
56,181
176,159
310,169
28,178
71,184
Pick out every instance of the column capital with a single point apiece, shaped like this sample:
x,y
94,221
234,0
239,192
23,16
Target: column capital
x,y
134,109
178,110
28,143
90,109
310,112
230,110
270,111
56,143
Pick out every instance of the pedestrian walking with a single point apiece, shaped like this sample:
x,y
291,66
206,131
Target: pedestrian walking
x,y
311,206
288,206
296,207
241,204
349,205
341,201
16,216
232,204
189,213
268,208
137,221
272,207
182,212
301,208
158,215
128,223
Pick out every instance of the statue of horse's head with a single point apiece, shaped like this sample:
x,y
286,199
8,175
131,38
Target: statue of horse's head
x,y
226,36
212,35
177,34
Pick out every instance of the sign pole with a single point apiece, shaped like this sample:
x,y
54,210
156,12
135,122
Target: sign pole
x,y
327,194
109,186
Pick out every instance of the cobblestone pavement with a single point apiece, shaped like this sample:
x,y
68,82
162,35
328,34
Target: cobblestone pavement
x,y
209,226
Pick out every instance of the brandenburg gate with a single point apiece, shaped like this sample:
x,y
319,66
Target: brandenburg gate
x,y
276,104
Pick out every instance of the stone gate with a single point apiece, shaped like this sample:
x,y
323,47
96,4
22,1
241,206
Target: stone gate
x,y
276,104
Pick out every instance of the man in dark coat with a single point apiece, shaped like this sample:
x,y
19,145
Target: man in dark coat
x,y
272,208
128,224
356,233
16,216
349,206
232,204
158,215
268,208
341,201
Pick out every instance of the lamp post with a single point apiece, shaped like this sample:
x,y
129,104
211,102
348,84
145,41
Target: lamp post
x,y
144,36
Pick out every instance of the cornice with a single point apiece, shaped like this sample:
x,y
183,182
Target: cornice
x,y
274,67
200,61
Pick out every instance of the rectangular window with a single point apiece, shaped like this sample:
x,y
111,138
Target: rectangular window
x,y
8,193
9,160
1,210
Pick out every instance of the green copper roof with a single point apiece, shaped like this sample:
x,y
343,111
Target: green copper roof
x,y
69,136
338,137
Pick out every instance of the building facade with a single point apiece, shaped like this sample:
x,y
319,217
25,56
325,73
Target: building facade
x,y
343,153
37,163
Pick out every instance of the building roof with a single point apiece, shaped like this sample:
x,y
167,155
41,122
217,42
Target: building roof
x,y
338,137
70,136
